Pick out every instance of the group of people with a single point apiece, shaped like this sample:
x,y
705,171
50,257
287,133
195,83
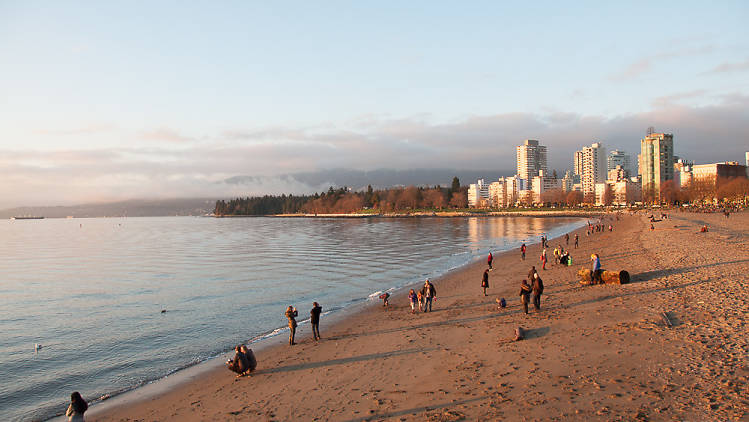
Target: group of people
x,y
243,362
422,300
314,320
531,292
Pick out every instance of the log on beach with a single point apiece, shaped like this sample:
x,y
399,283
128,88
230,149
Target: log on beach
x,y
607,277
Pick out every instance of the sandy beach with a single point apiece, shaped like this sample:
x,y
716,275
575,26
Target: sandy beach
x,y
601,352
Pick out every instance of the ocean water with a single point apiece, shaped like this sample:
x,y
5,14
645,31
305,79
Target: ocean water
x,y
91,291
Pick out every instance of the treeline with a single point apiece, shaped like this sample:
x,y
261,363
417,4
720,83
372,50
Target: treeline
x,y
343,200
262,205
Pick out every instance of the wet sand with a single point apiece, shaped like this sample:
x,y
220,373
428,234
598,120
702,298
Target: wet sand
x,y
599,352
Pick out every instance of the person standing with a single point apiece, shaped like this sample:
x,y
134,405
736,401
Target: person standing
x,y
428,292
522,251
525,293
485,281
531,272
567,238
489,260
596,276
412,299
576,238
538,288
291,314
543,259
314,320
77,408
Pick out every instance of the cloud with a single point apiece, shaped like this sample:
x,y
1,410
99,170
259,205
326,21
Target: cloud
x,y
83,130
482,142
645,64
730,67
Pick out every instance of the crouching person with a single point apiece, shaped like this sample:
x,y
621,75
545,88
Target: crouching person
x,y
239,364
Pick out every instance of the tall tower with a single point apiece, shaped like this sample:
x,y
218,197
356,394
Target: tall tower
x,y
594,167
618,158
578,169
656,163
531,159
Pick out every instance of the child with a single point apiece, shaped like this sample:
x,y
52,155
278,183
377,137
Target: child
x,y
412,299
385,297
420,299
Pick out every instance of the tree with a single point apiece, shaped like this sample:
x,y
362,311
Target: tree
x,y
554,174
459,199
608,195
456,184
574,198
668,191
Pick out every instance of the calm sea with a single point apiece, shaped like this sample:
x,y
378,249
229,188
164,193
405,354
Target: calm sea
x,y
91,291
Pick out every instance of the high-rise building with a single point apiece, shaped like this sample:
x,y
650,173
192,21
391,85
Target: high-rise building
x,y
656,163
531,159
593,167
478,194
618,158
578,170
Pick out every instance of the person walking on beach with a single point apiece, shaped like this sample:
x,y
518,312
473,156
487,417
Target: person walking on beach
x,y
489,260
291,314
522,251
428,292
412,300
420,298
77,408
543,259
538,288
485,281
596,276
314,320
567,239
525,294
576,238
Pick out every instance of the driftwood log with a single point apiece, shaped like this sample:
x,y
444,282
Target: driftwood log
x,y
607,277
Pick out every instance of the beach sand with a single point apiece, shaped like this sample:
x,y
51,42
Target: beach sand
x,y
600,352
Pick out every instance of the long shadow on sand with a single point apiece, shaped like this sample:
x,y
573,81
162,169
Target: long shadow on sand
x,y
342,361
649,275
518,310
388,415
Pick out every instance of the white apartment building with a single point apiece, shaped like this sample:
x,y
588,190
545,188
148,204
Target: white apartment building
x,y
531,159
593,167
504,192
542,184
617,173
477,192
656,163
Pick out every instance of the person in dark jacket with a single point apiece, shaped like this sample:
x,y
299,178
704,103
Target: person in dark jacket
x,y
251,360
531,272
77,407
428,292
538,288
239,364
314,320
525,293
485,281
291,314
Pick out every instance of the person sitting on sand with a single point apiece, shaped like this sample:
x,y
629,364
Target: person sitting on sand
x,y
703,229
77,408
525,294
291,314
412,300
428,292
239,364
314,320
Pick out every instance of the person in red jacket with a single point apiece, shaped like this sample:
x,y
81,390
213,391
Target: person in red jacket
x,y
489,260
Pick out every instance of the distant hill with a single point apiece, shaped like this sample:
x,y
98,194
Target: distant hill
x,y
379,179
132,208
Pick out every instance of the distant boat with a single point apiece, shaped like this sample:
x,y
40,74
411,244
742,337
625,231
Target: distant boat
x,y
27,217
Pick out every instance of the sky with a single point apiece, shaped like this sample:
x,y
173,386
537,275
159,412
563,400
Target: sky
x,y
104,101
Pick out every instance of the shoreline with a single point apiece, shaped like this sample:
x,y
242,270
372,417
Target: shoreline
x,y
157,387
588,354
